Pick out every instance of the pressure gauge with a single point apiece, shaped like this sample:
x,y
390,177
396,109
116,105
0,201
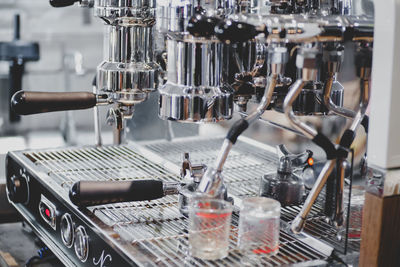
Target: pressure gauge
x,y
81,243
67,230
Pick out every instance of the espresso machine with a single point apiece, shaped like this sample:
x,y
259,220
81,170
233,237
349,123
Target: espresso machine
x,y
126,203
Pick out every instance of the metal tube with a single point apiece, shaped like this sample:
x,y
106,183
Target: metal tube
x,y
328,100
223,154
298,223
97,128
365,93
265,101
119,130
293,93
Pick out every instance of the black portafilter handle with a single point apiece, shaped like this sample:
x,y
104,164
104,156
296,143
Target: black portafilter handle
x,y
26,103
62,3
91,193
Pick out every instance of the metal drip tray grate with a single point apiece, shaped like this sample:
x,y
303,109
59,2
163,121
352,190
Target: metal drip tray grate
x,y
242,172
160,231
155,231
67,166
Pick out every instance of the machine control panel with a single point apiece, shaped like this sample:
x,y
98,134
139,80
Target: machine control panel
x,y
48,212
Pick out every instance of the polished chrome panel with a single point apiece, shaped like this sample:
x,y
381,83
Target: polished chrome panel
x,y
129,69
195,91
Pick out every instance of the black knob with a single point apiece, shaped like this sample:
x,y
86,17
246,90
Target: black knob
x,y
235,32
202,26
17,189
62,3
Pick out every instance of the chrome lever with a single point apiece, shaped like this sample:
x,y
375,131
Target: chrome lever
x,y
295,159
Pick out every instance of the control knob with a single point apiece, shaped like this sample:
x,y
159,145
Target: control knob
x,y
18,191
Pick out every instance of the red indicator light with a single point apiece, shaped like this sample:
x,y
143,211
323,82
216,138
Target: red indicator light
x,y
47,212
310,161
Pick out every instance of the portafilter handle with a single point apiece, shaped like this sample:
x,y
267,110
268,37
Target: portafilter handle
x,y
91,193
26,103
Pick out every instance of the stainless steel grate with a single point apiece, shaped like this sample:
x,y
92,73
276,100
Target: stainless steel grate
x,y
67,166
245,165
242,173
156,228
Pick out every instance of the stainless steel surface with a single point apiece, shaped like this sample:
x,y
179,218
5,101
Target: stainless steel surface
x,y
295,90
195,172
223,155
266,100
308,61
329,102
154,232
287,188
125,11
333,61
195,104
195,90
97,124
171,188
128,71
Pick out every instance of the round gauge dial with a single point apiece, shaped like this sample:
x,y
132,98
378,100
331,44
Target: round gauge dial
x,y
67,230
81,243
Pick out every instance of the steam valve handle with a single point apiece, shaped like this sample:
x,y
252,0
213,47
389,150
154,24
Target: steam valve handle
x,y
62,3
26,103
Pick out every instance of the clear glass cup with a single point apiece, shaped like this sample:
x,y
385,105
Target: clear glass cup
x,y
259,229
209,228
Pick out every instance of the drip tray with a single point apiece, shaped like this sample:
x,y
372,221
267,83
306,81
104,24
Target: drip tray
x,y
154,232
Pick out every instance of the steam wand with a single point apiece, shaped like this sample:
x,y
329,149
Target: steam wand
x,y
335,155
332,61
212,181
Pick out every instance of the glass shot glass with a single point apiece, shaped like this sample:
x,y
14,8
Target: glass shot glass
x,y
258,229
209,228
